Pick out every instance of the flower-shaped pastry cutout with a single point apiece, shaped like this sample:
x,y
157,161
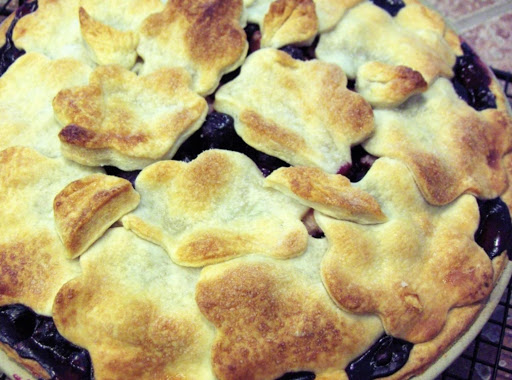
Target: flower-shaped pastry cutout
x,y
126,120
450,147
102,32
203,36
284,22
215,208
134,311
275,316
332,194
26,93
285,121
87,207
33,261
369,34
385,268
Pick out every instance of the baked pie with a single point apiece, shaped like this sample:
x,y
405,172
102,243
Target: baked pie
x,y
256,189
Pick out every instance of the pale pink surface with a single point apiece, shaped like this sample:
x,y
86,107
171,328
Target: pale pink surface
x,y
455,9
493,41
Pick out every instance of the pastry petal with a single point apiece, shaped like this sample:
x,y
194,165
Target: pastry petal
x,y
331,194
87,207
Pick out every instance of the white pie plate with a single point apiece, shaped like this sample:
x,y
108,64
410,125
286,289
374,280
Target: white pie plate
x,y
14,371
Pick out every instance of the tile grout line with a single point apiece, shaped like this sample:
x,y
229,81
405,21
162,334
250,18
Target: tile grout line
x,y
468,22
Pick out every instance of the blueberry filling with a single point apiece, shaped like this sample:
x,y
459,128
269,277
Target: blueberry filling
x,y
384,358
128,175
390,6
252,31
298,376
494,233
362,161
218,132
472,79
302,53
8,52
35,337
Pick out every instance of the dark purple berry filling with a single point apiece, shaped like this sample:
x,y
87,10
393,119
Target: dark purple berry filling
x,y
130,175
384,358
494,233
472,79
302,53
218,132
35,337
252,31
8,52
362,161
298,376
390,6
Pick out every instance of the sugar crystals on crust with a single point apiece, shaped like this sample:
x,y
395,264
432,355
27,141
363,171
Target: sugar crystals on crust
x,y
126,120
215,208
284,120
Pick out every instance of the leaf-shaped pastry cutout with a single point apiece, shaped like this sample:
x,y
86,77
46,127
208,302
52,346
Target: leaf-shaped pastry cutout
x,y
383,268
126,120
33,260
285,121
215,208
86,208
331,194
